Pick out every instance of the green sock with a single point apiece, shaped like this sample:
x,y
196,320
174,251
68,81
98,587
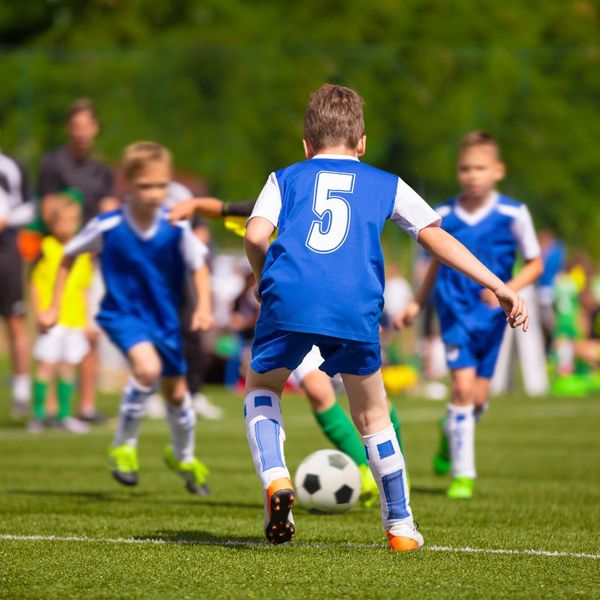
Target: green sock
x,y
64,391
40,392
396,424
340,431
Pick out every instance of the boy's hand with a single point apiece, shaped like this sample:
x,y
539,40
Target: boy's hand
x,y
407,317
257,294
202,320
182,210
514,307
488,297
47,319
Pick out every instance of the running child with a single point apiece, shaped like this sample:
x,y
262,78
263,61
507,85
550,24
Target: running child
x,y
321,283
144,261
494,228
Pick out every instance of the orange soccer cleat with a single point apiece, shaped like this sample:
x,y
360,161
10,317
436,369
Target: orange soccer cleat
x,y
279,523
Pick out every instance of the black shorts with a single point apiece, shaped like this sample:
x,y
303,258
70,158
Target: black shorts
x,y
12,301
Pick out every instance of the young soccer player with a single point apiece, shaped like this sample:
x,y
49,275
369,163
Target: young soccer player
x,y
321,283
60,349
144,260
494,228
331,418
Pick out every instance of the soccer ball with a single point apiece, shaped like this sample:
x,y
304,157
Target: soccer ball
x,y
327,481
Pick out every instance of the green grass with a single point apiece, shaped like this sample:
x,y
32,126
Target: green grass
x,y
539,465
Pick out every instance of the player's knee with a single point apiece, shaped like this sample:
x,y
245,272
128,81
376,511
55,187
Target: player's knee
x,y
462,394
320,397
148,372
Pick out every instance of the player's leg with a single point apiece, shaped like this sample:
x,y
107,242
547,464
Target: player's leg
x,y
18,341
266,437
88,372
146,367
72,348
179,456
369,409
337,426
483,386
460,430
44,374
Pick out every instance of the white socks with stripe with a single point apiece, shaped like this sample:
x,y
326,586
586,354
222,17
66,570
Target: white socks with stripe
x,y
264,429
388,468
133,405
182,420
460,429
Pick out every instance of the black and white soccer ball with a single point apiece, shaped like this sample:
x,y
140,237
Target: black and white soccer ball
x,y
327,481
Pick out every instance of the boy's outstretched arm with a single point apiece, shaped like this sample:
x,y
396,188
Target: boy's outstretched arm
x,y
47,319
211,208
529,273
258,233
450,251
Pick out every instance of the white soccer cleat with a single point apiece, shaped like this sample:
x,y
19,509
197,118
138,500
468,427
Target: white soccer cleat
x,y
404,537
206,409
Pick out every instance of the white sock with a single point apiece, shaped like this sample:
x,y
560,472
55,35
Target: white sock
x,y
460,429
265,433
388,468
182,419
21,388
133,404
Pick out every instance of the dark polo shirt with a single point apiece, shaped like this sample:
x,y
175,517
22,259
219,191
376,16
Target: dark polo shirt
x,y
60,170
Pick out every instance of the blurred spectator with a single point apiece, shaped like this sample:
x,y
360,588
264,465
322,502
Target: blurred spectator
x,y
16,209
72,166
65,345
554,257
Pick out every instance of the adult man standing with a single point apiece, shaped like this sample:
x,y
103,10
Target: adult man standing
x,y
16,209
72,166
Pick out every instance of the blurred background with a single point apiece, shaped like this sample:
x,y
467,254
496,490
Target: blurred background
x,y
224,84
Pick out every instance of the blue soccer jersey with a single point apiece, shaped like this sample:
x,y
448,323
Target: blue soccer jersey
x,y
324,274
494,234
144,274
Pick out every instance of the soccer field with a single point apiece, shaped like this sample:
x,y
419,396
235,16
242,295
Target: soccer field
x,y
69,531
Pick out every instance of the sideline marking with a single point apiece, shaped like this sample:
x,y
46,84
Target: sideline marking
x,y
249,544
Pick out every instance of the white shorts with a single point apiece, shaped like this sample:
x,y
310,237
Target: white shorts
x,y
311,362
61,344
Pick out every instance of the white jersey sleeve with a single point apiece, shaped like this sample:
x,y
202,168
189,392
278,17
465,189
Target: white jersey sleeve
x,y
89,239
524,232
268,205
194,252
411,212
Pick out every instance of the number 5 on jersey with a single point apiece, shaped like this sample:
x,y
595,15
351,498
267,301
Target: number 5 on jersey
x,y
328,232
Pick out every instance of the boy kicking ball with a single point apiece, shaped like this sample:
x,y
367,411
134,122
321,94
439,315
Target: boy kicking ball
x,y
494,228
321,283
144,261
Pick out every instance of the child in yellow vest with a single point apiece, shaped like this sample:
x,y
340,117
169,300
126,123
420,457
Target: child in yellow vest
x,y
60,349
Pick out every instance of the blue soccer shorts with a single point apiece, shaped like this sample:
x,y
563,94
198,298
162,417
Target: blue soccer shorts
x,y
126,332
275,349
479,352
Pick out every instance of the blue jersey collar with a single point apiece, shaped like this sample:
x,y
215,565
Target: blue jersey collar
x,y
336,157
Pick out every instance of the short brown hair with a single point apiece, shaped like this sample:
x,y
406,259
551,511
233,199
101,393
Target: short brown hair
x,y
334,116
137,156
82,105
478,138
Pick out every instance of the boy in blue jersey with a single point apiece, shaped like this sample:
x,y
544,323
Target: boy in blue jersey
x,y
321,283
144,261
494,228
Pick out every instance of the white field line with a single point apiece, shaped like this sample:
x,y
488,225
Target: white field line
x,y
249,544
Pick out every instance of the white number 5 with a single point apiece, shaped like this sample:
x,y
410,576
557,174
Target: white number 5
x,y
328,234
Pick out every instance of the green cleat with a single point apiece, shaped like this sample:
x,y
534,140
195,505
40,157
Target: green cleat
x,y
124,464
461,488
441,461
369,492
193,473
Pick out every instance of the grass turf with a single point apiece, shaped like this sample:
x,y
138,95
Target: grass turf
x,y
538,489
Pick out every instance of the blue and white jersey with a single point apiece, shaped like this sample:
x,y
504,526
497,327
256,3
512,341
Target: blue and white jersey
x,y
324,273
144,271
494,234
